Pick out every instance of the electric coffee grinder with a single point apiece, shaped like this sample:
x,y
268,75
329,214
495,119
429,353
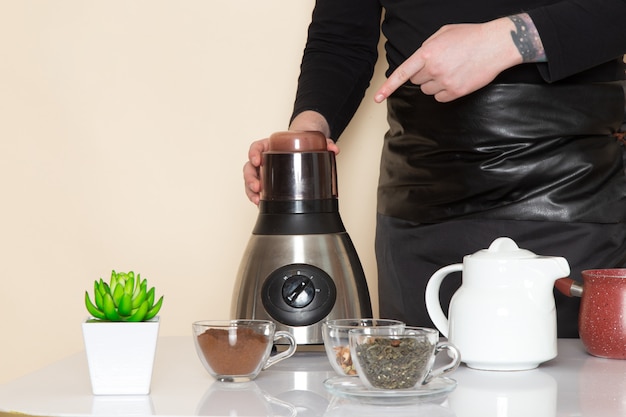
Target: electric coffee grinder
x,y
300,266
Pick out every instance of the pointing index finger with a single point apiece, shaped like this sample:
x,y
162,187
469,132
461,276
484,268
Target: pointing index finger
x,y
399,76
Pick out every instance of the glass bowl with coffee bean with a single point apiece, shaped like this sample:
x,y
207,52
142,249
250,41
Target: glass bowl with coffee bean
x,y
335,334
397,359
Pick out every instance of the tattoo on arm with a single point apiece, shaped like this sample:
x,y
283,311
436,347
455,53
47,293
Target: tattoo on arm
x,y
526,39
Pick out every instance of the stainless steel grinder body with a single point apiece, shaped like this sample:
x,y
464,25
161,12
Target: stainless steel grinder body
x,y
300,266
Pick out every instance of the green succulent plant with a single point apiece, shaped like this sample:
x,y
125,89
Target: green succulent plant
x,y
124,298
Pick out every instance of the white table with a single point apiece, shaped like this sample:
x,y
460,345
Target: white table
x,y
573,384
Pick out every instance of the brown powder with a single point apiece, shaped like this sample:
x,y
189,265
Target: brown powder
x,y
239,358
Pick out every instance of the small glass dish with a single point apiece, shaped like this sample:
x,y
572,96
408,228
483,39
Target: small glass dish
x,y
335,334
354,389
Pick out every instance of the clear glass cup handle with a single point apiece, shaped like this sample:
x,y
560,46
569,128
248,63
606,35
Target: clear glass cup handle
x,y
455,361
282,355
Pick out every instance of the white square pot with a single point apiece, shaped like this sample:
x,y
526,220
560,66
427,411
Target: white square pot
x,y
120,355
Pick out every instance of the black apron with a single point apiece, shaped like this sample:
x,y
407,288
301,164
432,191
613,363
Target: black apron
x,y
507,151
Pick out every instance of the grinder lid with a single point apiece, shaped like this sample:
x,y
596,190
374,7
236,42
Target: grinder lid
x,y
297,141
298,167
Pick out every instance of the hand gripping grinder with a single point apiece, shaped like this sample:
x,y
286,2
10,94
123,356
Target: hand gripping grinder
x,y
300,266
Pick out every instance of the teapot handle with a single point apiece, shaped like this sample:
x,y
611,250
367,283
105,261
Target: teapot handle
x,y
433,306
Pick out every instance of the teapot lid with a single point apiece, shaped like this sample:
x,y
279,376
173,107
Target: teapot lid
x,y
504,248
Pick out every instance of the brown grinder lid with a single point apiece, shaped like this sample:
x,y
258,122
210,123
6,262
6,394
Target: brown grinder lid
x,y
297,141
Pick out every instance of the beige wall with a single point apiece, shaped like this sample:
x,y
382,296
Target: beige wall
x,y
123,129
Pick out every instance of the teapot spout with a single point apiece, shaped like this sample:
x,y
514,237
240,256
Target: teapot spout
x,y
552,269
569,287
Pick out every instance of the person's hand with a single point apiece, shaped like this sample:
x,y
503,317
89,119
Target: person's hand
x,y
304,121
457,60
251,178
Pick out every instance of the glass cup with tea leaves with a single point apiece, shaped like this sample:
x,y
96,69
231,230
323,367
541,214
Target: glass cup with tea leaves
x,y
395,359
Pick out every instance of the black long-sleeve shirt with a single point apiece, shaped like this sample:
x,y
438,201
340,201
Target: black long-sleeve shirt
x,y
584,41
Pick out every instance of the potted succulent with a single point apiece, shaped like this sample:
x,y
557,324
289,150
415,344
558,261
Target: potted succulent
x,y
121,334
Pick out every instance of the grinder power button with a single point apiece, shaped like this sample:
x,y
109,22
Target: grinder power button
x,y
298,291
298,294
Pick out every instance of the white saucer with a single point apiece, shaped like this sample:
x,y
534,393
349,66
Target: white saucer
x,y
351,387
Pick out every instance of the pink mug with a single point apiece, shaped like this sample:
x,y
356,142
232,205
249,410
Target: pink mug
x,y
602,316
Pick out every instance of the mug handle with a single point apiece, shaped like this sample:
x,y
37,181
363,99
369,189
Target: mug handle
x,y
433,306
282,355
455,356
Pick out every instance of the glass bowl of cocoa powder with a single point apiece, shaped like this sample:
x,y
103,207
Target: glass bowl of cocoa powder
x,y
335,334
237,350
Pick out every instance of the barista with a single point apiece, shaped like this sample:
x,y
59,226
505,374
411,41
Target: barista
x,y
501,123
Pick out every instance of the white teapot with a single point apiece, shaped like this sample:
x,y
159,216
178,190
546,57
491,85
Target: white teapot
x,y
503,317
